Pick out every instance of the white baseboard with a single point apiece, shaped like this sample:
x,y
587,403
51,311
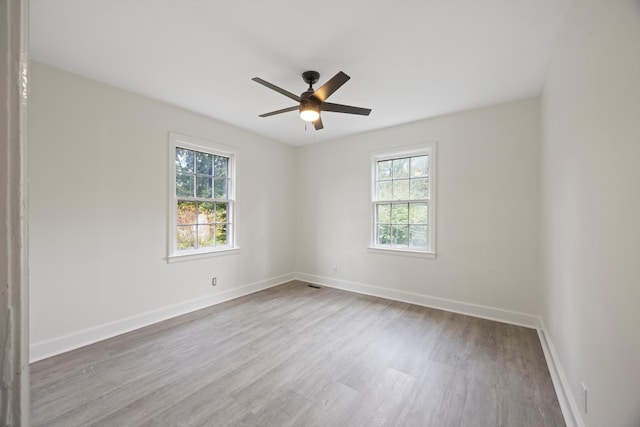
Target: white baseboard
x,y
58,345
484,312
568,404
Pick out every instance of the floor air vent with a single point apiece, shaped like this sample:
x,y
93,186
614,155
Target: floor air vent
x,y
314,286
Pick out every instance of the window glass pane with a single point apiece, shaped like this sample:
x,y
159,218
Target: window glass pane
x,y
400,235
419,166
220,188
186,236
184,185
400,214
203,186
384,234
184,160
401,189
206,213
418,236
220,166
221,234
384,213
385,190
205,235
419,188
221,212
384,169
186,212
418,213
401,168
204,163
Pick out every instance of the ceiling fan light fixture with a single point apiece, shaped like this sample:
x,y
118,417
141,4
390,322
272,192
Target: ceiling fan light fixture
x,y
309,112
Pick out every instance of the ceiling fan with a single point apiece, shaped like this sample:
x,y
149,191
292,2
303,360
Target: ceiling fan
x,y
312,102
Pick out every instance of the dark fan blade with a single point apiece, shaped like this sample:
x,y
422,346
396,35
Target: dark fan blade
x,y
318,124
331,86
276,88
339,108
284,110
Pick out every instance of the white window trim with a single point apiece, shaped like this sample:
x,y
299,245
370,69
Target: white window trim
x,y
197,144
423,149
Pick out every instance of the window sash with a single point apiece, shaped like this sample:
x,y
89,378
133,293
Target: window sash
x,y
190,231
410,224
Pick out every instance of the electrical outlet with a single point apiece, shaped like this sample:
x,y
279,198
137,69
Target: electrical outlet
x,y
583,397
214,281
335,269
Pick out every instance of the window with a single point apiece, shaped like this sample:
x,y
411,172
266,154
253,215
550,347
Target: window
x,y
202,197
403,200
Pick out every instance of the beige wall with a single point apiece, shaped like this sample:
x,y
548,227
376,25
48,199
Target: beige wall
x,y
487,210
98,160
591,208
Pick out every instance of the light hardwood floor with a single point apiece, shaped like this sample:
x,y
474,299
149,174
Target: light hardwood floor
x,y
295,355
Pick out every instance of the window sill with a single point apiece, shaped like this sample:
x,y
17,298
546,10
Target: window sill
x,y
401,252
192,256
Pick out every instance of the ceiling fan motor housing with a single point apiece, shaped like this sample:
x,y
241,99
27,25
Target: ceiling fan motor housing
x,y
307,100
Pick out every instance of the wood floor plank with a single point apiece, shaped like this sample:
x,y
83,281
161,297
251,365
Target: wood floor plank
x,y
437,397
299,356
332,406
383,400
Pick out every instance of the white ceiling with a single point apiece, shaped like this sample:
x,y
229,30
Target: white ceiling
x,y
408,59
